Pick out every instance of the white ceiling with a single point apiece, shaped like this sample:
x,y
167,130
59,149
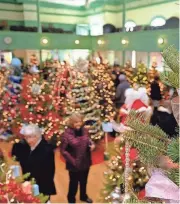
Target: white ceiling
x,y
68,2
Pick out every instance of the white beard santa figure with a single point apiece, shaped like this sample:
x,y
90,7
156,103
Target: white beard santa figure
x,y
137,100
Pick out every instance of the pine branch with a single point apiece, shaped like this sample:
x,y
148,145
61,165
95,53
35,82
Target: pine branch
x,y
170,78
173,150
139,123
148,149
174,176
171,57
150,140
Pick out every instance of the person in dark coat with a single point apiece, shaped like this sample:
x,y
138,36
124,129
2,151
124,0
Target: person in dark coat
x,y
155,92
164,118
76,148
36,157
120,91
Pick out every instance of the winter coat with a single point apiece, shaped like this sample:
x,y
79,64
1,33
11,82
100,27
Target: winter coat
x,y
76,151
39,163
155,91
165,120
120,93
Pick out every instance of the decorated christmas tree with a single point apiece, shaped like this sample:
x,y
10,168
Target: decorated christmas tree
x,y
140,77
40,105
103,87
129,71
152,72
82,100
114,176
9,96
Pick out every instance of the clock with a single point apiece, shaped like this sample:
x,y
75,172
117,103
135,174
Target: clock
x,y
8,40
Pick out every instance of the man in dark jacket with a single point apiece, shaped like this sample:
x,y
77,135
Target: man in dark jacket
x,y
36,157
120,91
155,92
164,118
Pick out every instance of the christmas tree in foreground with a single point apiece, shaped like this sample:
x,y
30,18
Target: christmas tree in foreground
x,y
158,154
13,189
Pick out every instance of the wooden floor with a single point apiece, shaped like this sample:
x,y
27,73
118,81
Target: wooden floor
x,y
95,180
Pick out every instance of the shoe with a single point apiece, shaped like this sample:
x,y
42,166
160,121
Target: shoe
x,y
88,200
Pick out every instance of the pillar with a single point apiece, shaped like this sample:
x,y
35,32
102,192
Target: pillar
x,y
124,29
39,26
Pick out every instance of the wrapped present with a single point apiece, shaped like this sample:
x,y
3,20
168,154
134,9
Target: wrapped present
x,y
35,189
15,171
160,186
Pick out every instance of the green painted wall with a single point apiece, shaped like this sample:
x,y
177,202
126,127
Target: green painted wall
x,y
27,40
139,41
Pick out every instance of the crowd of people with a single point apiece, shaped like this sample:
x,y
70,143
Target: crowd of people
x,y
36,155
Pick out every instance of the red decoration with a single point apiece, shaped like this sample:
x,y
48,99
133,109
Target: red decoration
x,y
141,194
133,155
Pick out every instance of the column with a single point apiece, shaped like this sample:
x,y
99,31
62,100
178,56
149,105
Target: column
x,y
38,16
124,29
148,60
39,26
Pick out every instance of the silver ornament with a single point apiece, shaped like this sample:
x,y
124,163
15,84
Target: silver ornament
x,y
36,89
116,196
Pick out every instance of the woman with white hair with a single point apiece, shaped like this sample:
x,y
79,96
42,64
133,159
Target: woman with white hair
x,y
36,157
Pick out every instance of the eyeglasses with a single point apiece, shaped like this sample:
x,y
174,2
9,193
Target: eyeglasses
x,y
30,137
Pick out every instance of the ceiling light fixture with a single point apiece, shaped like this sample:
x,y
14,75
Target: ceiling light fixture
x,y
124,42
160,41
77,42
45,41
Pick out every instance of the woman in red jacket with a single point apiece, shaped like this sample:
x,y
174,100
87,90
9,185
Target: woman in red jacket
x,y
76,148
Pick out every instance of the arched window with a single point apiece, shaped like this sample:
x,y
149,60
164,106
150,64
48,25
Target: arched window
x,y
130,25
158,21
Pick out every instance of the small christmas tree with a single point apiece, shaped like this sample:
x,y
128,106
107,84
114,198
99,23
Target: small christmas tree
x,y
140,77
103,88
129,71
152,72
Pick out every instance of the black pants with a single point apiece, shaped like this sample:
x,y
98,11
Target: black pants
x,y
74,179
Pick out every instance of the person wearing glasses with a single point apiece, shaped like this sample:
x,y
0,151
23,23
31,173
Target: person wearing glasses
x,y
36,157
